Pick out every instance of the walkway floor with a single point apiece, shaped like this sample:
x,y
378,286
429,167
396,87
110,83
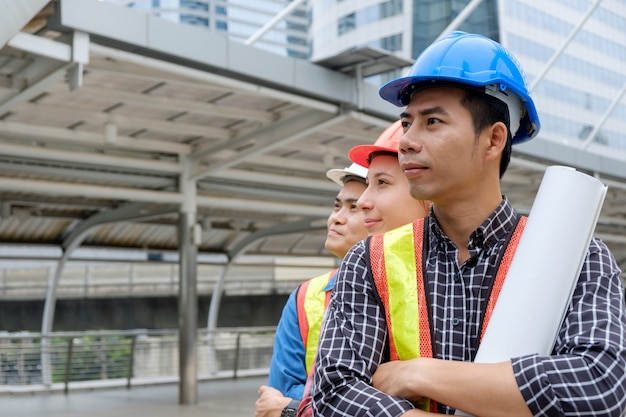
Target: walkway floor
x,y
216,398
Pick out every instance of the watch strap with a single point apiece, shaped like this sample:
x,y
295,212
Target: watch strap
x,y
291,409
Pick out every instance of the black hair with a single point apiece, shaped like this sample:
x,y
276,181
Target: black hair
x,y
379,153
351,177
485,111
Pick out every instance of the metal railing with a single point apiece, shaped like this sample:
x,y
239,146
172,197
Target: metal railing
x,y
112,279
127,358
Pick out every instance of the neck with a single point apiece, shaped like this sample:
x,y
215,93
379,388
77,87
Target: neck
x,y
460,219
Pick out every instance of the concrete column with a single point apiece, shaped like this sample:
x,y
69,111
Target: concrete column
x,y
187,291
187,314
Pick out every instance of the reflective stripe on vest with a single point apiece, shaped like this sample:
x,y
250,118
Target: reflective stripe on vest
x,y
311,301
396,255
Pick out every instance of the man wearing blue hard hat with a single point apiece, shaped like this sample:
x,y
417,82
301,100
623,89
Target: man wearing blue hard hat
x,y
409,307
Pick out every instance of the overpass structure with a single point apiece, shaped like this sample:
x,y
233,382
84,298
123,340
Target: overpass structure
x,y
122,130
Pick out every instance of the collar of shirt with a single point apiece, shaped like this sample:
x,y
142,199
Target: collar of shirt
x,y
331,282
494,229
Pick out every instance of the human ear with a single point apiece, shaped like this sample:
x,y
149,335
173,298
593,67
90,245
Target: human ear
x,y
497,134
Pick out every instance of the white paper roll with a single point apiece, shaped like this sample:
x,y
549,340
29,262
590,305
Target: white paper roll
x,y
544,270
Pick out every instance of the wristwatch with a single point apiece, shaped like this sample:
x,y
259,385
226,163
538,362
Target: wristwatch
x,y
291,410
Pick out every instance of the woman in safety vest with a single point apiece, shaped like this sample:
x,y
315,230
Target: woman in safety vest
x,y
297,334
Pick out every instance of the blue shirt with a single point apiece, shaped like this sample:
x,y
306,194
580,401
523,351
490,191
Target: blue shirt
x,y
288,367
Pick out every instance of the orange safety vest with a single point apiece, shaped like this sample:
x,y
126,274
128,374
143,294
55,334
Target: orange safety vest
x,y
311,301
399,254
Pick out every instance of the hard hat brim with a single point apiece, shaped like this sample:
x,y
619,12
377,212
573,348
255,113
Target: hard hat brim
x,y
337,175
361,154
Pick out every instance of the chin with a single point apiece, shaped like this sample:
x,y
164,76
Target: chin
x,y
330,247
376,230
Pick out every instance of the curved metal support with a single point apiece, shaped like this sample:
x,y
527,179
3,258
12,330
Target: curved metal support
x,y
48,309
216,299
303,225
71,242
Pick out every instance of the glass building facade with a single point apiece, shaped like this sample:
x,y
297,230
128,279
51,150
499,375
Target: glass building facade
x,y
431,17
581,94
238,19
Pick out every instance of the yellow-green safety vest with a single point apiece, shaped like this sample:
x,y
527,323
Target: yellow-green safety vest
x,y
397,264
311,301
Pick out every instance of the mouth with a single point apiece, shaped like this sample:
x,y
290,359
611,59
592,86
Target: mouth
x,y
412,169
370,223
333,232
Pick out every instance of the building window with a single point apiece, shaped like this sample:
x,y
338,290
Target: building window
x,y
431,17
368,15
346,24
194,5
299,27
392,43
194,20
390,8
295,40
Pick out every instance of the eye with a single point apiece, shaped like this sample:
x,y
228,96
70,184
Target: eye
x,y
354,207
432,121
405,125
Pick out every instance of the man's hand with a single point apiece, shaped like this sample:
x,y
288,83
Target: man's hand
x,y
398,378
270,403
480,389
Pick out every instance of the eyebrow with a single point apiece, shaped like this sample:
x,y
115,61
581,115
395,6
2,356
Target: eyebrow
x,y
347,200
433,110
426,112
377,175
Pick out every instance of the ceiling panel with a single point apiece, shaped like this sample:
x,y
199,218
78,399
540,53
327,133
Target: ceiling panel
x,y
260,155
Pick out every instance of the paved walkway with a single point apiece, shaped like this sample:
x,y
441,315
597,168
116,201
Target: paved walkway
x,y
216,398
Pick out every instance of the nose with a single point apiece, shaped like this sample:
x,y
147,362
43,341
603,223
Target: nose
x,y
338,216
364,203
409,141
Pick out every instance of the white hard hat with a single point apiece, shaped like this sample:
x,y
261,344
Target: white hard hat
x,y
337,175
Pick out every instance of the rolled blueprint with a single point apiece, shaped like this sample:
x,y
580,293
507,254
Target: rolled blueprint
x,y
544,270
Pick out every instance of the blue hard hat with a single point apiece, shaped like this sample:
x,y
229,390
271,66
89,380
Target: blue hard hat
x,y
476,61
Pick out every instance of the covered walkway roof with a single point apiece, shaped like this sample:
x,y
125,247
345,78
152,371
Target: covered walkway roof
x,y
104,109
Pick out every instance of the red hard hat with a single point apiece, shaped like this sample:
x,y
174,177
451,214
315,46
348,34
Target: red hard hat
x,y
386,142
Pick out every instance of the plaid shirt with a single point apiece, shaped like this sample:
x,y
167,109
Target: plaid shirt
x,y
584,376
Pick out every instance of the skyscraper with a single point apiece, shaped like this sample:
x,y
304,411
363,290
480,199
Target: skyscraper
x,y
574,51
238,19
579,86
